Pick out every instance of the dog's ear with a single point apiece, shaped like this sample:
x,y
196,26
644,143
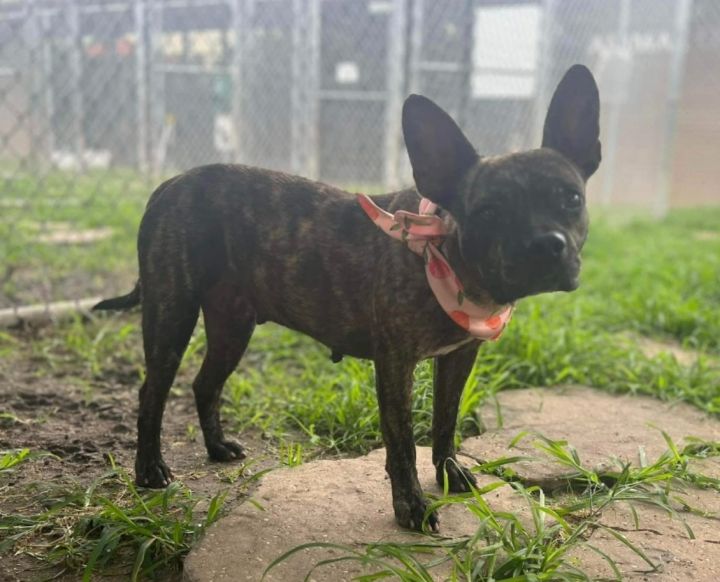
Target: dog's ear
x,y
572,125
439,152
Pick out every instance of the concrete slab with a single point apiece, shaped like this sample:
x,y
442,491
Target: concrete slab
x,y
348,501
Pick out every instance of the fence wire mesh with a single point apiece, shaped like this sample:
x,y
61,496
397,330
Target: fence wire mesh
x,y
101,99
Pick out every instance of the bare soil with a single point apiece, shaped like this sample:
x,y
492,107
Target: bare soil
x,y
83,421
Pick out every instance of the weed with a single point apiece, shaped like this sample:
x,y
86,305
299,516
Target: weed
x,y
10,459
291,454
92,529
191,432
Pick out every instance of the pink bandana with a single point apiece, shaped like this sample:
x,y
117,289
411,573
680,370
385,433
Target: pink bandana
x,y
423,233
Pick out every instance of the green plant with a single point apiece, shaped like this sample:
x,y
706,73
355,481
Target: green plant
x,y
88,530
10,459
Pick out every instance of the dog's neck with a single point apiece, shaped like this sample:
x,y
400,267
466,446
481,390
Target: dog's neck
x,y
470,277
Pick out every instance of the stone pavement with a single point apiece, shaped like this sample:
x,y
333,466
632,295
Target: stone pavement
x,y
348,501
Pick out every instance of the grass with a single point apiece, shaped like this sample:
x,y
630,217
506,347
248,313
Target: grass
x,y
33,271
108,527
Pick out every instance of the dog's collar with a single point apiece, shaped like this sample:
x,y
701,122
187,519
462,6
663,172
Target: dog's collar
x,y
423,233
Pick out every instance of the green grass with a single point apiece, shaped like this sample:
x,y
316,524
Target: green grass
x,y
107,527
29,208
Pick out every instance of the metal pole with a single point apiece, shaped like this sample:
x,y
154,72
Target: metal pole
x,y
298,96
414,81
544,72
304,90
612,133
466,66
313,88
76,97
47,85
395,86
416,33
156,87
683,11
141,65
241,11
35,81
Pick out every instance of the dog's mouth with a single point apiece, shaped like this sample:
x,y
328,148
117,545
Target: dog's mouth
x,y
513,283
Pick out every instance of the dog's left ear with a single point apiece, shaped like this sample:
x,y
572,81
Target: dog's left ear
x,y
439,152
572,125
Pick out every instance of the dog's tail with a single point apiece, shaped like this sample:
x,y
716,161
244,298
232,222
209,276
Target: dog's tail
x,y
123,302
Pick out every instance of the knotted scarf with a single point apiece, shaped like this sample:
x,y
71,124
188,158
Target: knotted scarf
x,y
424,233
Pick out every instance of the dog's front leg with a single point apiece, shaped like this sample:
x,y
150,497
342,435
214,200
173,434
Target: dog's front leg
x,y
450,373
393,380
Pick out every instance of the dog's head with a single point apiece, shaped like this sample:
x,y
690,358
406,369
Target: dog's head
x,y
521,218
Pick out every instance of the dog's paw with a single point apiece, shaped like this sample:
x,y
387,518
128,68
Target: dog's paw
x,y
225,451
153,474
459,478
410,513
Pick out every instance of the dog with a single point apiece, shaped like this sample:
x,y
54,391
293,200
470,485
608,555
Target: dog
x,y
247,245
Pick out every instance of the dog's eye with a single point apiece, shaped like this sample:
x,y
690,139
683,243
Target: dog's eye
x,y
572,201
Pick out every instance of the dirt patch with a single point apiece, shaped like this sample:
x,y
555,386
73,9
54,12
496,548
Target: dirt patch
x,y
66,235
603,427
81,421
707,235
599,425
653,348
345,502
348,501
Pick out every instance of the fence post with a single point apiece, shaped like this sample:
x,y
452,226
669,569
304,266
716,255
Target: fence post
x,y
313,81
303,130
47,88
141,64
298,93
241,11
395,87
466,65
612,131
155,88
544,71
78,137
35,81
683,11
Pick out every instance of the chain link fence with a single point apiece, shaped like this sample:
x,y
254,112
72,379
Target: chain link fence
x,y
101,99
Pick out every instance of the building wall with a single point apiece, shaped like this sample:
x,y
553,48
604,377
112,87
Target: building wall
x,y
696,161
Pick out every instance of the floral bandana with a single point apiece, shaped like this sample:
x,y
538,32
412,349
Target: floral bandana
x,y
423,233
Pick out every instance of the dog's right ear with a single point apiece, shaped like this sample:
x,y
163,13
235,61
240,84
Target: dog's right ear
x,y
439,152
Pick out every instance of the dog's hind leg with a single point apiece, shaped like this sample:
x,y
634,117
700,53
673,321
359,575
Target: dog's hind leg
x,y
229,324
168,322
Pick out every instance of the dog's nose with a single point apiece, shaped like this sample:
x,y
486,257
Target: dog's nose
x,y
549,245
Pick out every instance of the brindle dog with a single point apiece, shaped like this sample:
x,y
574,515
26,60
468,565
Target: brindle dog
x,y
248,245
